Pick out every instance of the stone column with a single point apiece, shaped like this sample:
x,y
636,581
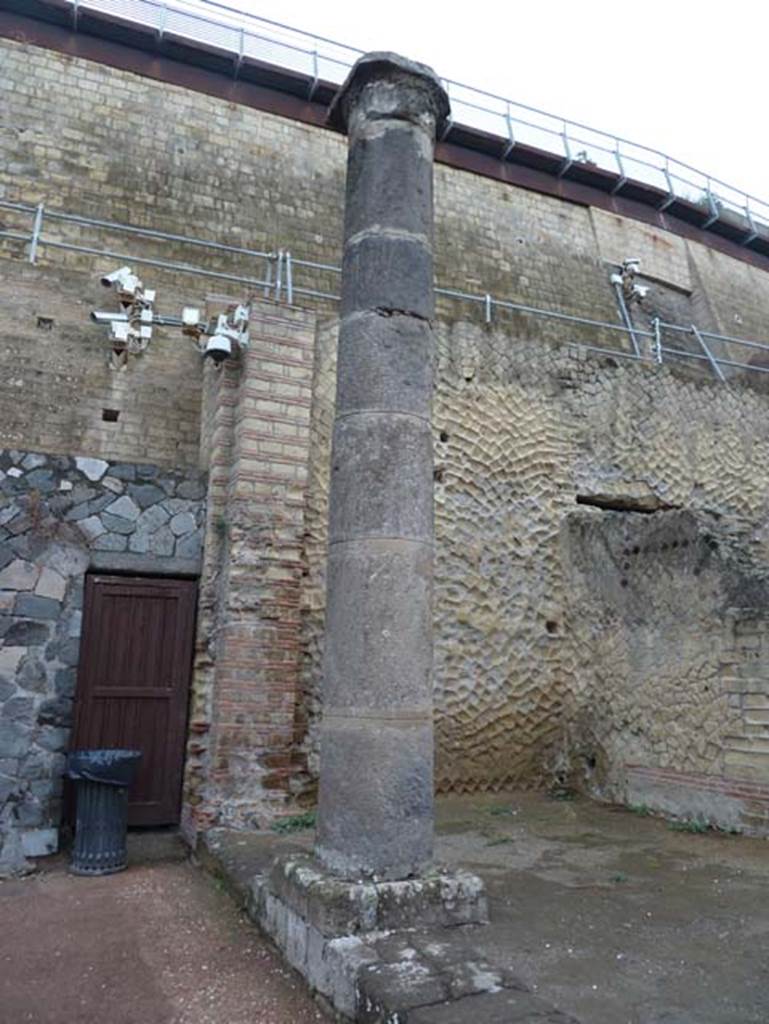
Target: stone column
x,y
376,768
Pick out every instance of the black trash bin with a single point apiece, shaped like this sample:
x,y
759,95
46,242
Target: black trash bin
x,y
102,779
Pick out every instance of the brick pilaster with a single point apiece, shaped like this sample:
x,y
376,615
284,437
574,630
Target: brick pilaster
x,y
248,666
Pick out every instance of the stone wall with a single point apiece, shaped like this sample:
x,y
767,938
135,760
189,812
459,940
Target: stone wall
x,y
74,135
537,680
523,425
59,517
668,711
58,382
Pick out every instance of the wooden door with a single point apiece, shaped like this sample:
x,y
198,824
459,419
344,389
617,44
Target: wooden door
x,y
133,683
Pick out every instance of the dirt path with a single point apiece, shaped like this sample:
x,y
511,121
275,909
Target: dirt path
x,y
157,944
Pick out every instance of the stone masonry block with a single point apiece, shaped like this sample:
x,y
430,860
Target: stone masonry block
x,y
381,471
390,181
396,352
387,273
378,638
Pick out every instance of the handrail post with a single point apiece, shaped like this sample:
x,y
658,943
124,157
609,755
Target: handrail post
x,y
569,159
711,358
510,134
314,83
620,167
712,206
671,191
37,225
279,276
752,235
268,276
657,339
289,280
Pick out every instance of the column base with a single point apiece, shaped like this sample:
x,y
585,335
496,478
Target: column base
x,y
329,929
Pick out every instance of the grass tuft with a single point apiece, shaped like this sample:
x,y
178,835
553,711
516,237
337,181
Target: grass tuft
x,y
295,823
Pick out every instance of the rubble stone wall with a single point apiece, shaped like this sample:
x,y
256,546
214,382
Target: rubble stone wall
x,y
59,517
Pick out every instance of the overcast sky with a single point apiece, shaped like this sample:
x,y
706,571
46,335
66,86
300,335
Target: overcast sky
x,y
681,76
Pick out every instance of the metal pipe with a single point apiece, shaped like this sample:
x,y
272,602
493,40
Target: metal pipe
x,y
684,355
516,307
268,283
657,339
151,233
315,294
279,275
743,366
24,207
162,264
605,351
316,266
717,337
626,317
16,235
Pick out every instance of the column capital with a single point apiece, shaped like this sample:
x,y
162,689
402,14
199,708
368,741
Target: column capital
x,y
384,85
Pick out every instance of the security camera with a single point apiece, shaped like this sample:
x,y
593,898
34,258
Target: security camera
x,y
217,348
632,266
119,276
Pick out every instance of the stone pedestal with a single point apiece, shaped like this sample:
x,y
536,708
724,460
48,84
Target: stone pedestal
x,y
329,928
376,757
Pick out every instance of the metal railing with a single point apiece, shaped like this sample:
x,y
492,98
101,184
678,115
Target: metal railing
x,y
278,281
241,36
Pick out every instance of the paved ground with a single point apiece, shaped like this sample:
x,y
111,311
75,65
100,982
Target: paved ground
x,y
615,917
160,943
612,916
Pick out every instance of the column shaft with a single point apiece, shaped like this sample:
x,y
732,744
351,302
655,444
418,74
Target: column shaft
x,y
376,770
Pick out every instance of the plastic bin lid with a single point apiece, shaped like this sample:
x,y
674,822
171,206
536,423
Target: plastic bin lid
x,y
112,767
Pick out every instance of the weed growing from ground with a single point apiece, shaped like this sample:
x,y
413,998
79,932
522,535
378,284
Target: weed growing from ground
x,y
295,823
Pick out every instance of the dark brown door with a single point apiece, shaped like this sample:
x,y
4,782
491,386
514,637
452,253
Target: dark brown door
x,y
133,683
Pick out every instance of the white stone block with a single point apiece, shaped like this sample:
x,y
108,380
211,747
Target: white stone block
x,y
40,842
51,584
19,575
94,469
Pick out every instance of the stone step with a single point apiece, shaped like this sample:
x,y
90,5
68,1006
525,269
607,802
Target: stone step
x,y
437,976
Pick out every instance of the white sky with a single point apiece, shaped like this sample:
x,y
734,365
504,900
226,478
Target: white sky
x,y
687,77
